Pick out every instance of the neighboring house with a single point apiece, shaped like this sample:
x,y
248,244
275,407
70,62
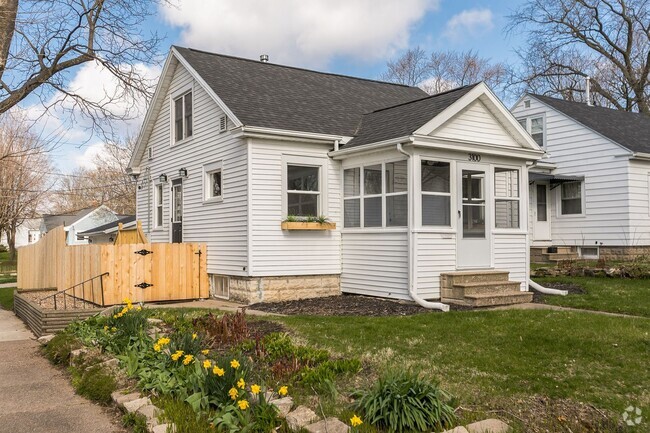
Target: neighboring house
x,y
76,222
418,185
590,196
106,233
26,233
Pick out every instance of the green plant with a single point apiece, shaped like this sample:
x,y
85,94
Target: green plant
x,y
403,401
322,219
59,348
323,375
96,384
310,218
291,219
183,417
136,421
226,331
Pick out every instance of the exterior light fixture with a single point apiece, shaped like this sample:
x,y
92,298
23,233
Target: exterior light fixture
x,y
162,178
182,172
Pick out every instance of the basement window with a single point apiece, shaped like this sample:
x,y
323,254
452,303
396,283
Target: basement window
x,y
589,253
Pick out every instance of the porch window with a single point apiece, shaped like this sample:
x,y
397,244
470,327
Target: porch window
x,y
303,190
571,198
396,174
372,196
506,198
183,117
352,197
436,193
158,205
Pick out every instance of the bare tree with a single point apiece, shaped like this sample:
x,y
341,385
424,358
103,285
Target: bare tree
x,y
442,71
43,41
107,183
23,177
607,40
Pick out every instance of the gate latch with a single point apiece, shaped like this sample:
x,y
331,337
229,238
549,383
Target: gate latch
x,y
143,252
143,285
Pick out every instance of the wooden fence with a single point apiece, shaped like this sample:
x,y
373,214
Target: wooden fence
x,y
142,272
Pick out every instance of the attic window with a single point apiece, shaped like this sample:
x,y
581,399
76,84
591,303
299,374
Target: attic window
x,y
527,103
183,117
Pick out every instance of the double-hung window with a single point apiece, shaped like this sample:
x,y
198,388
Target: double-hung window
x,y
506,198
571,198
158,205
303,190
396,174
183,117
534,125
436,193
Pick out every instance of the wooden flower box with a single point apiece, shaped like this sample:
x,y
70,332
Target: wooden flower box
x,y
302,225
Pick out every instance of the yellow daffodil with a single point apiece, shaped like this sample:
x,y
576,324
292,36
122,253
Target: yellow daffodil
x,y
176,355
163,341
188,359
194,336
255,389
218,371
156,347
105,327
284,390
233,393
355,421
114,316
139,308
234,364
243,404
241,384
113,329
207,364
205,351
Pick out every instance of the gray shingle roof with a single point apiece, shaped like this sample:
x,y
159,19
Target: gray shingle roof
x,y
404,119
52,221
282,97
124,219
630,130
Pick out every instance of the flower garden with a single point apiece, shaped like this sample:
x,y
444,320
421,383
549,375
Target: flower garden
x,y
220,373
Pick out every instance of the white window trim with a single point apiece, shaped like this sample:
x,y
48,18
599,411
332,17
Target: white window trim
x,y
529,118
519,199
155,225
449,194
351,197
589,257
648,194
172,126
307,161
558,202
208,169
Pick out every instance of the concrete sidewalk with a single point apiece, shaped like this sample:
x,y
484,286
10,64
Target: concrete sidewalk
x,y
35,396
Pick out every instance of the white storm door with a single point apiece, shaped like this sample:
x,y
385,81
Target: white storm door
x,y
541,212
474,217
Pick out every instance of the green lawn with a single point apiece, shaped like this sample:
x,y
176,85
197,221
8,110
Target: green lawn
x,y
7,298
501,362
615,295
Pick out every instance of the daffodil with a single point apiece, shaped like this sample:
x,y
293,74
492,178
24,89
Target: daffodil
x,y
176,355
113,329
218,371
194,336
355,421
156,347
205,351
139,308
243,404
241,384
233,393
255,389
284,390
207,364
188,359
234,364
163,341
105,327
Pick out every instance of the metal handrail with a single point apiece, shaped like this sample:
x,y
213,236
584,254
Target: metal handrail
x,y
83,291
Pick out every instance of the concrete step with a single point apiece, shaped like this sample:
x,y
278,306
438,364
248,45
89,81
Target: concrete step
x,y
488,288
554,257
501,299
449,279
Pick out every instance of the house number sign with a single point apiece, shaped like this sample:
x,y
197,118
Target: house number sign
x,y
474,157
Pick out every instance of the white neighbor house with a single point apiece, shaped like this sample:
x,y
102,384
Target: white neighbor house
x,y
590,195
420,187
28,232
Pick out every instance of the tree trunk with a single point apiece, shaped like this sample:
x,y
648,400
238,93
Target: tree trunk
x,y
11,241
8,12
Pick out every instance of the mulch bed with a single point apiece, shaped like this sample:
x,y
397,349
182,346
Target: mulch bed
x,y
346,305
48,304
573,289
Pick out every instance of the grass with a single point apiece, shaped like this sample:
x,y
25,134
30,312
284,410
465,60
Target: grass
x,y
499,359
7,298
614,295
7,279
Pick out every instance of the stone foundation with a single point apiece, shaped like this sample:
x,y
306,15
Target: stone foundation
x,y
624,253
251,290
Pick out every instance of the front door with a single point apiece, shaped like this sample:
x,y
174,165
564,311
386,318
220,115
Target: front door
x,y
541,212
177,211
474,222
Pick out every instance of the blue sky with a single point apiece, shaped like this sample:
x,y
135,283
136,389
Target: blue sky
x,y
352,37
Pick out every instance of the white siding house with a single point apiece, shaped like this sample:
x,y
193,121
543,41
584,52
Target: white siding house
x,y
417,189
590,194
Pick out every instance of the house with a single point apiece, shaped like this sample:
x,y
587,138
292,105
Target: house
x,y
590,195
27,233
107,233
424,193
75,222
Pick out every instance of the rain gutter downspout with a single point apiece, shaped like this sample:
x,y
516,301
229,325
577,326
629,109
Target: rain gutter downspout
x,y
412,254
546,290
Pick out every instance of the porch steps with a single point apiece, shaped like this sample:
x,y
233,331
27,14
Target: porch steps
x,y
482,288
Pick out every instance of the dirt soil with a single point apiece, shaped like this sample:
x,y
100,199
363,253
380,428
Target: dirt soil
x,y
345,305
573,289
48,304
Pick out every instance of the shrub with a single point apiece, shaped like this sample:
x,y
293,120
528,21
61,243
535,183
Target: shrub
x,y
404,401
227,331
97,385
136,421
59,348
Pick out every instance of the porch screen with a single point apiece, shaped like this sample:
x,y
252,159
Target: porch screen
x,y
436,195
506,198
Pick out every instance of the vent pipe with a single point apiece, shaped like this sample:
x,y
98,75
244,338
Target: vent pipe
x,y
264,58
588,89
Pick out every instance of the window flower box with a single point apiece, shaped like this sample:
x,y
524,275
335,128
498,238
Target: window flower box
x,y
303,225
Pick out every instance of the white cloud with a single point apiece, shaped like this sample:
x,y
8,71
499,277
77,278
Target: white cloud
x,y
471,21
299,32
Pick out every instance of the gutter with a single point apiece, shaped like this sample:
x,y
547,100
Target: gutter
x,y
261,132
641,155
412,255
546,290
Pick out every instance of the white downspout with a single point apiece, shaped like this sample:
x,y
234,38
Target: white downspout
x,y
546,290
412,254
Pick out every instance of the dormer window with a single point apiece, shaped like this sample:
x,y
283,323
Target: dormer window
x,y
183,117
